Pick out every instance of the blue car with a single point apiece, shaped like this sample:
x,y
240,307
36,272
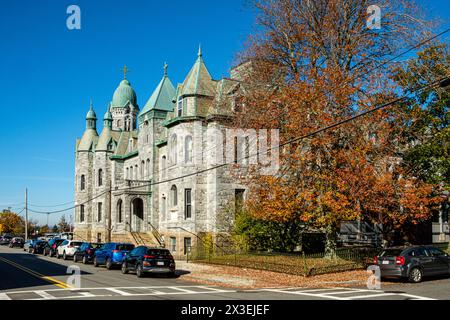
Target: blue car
x,y
112,254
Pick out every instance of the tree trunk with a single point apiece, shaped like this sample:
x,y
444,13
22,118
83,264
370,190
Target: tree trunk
x,y
330,242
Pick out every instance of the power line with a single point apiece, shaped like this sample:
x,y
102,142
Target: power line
x,y
441,82
288,142
52,206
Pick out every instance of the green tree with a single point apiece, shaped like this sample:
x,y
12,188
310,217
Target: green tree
x,y
63,226
426,115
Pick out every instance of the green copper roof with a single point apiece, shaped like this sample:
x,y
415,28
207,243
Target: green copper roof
x,y
123,94
107,116
91,113
88,141
198,81
161,98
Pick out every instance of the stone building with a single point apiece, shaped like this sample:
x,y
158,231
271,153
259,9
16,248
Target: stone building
x,y
147,177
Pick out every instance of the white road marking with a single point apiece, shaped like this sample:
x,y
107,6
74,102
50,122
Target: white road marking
x,y
4,296
44,294
182,289
120,292
318,293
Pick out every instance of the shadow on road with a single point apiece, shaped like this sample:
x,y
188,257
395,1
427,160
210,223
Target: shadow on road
x,y
24,270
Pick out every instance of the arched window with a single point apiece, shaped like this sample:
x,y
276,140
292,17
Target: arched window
x,y
127,176
119,211
173,149
131,173
82,213
163,165
142,170
136,172
174,195
82,182
188,149
100,177
148,169
180,107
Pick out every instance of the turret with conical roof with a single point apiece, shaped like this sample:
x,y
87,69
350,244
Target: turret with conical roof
x,y
160,102
124,108
90,136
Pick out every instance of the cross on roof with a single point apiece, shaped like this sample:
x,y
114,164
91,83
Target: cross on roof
x,y
125,70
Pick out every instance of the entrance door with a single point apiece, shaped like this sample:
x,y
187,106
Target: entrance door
x,y
138,215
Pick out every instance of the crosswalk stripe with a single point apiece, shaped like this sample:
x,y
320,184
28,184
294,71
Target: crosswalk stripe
x,y
122,293
44,294
372,296
4,296
182,289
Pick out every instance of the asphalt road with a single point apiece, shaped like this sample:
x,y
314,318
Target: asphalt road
x,y
25,276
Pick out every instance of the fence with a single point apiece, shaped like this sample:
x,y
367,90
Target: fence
x,y
297,264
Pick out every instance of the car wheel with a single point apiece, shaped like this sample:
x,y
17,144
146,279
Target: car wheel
x,y
95,262
415,275
139,271
57,255
171,274
75,259
109,264
85,260
64,256
124,268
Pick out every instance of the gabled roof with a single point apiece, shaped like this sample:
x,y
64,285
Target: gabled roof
x,y
199,80
105,138
161,98
88,140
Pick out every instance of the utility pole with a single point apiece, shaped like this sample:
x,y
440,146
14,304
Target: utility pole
x,y
109,210
26,214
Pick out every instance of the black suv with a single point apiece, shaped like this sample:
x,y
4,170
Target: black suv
x,y
145,259
50,247
37,246
413,263
17,242
86,252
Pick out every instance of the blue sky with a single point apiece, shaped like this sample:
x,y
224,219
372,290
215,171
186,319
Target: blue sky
x,y
50,73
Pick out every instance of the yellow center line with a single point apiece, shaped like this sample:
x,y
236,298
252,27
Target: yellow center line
x,y
37,274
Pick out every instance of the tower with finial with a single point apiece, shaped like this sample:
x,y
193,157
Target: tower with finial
x,y
91,117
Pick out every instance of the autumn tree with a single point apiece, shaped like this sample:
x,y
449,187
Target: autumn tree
x,y
11,223
312,64
63,226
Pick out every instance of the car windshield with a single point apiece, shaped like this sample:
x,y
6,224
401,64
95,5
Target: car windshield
x,y
125,247
76,243
391,252
158,252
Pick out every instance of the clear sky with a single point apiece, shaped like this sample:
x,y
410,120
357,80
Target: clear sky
x,y
49,74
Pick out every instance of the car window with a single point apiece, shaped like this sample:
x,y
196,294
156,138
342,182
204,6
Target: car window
x,y
435,252
158,252
64,243
77,243
135,252
97,245
391,252
125,247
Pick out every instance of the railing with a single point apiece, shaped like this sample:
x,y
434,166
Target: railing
x,y
297,264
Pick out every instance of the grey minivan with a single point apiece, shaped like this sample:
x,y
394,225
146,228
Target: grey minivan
x,y
413,263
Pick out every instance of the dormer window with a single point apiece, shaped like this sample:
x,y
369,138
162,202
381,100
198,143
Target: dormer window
x,y
180,107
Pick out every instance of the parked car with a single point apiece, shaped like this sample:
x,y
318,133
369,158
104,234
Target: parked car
x,y
37,246
5,240
111,254
51,246
16,242
28,244
145,259
86,252
67,249
413,263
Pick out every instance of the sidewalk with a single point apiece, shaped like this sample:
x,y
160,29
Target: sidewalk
x,y
233,277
